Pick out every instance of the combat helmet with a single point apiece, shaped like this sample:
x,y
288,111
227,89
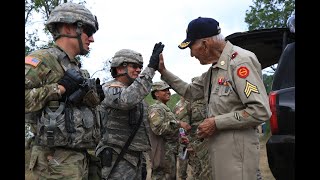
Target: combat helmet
x,y
125,56
71,13
160,85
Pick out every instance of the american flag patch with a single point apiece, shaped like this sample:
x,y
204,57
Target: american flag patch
x,y
32,61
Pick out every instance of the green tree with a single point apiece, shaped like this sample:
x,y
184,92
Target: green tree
x,y
42,7
269,13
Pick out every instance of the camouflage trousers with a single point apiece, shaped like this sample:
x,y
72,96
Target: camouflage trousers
x,y
192,160
124,169
57,163
169,170
201,150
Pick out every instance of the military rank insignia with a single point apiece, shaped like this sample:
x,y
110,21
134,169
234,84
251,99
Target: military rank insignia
x,y
32,61
185,44
250,88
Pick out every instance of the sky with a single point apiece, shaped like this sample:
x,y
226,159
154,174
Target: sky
x,y
139,24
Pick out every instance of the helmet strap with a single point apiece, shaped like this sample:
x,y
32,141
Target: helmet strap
x,y
125,74
79,32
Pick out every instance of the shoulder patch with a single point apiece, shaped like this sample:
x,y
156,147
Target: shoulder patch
x,y
243,72
32,61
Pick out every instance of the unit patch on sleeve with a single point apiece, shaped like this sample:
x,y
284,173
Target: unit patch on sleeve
x,y
250,88
243,72
32,61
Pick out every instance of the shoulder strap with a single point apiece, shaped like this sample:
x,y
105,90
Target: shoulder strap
x,y
128,142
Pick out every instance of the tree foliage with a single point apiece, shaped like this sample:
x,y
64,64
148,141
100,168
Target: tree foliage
x,y
42,7
269,13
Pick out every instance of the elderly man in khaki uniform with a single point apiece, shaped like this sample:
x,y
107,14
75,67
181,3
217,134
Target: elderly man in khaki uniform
x,y
236,99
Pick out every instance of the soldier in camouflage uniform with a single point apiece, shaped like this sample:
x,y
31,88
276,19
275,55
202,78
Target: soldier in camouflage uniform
x,y
197,156
65,127
235,95
165,134
125,128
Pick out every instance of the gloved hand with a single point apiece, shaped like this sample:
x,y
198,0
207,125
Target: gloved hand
x,y
71,81
99,89
154,59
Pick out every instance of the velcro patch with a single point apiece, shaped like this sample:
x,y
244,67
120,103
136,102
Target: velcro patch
x,y
32,61
243,72
250,88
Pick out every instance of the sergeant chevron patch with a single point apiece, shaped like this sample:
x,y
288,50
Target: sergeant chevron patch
x,y
250,88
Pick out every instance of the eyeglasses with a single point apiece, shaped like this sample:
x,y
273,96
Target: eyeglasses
x,y
135,66
88,30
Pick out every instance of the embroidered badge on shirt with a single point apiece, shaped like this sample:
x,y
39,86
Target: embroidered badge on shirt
x,y
32,61
250,88
243,72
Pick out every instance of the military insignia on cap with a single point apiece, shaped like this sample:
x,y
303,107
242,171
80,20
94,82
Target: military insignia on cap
x,y
250,88
184,44
237,116
243,72
32,61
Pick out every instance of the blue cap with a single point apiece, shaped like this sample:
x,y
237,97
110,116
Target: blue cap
x,y
200,28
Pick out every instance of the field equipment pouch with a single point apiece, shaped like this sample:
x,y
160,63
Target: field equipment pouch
x,y
68,126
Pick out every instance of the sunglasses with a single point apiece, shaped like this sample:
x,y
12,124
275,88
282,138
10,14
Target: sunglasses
x,y
135,66
88,30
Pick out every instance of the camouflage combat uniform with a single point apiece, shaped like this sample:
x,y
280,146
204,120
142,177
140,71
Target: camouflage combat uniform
x,y
41,89
165,128
60,150
193,113
125,108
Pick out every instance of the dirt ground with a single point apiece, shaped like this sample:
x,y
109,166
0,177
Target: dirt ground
x,y
264,167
